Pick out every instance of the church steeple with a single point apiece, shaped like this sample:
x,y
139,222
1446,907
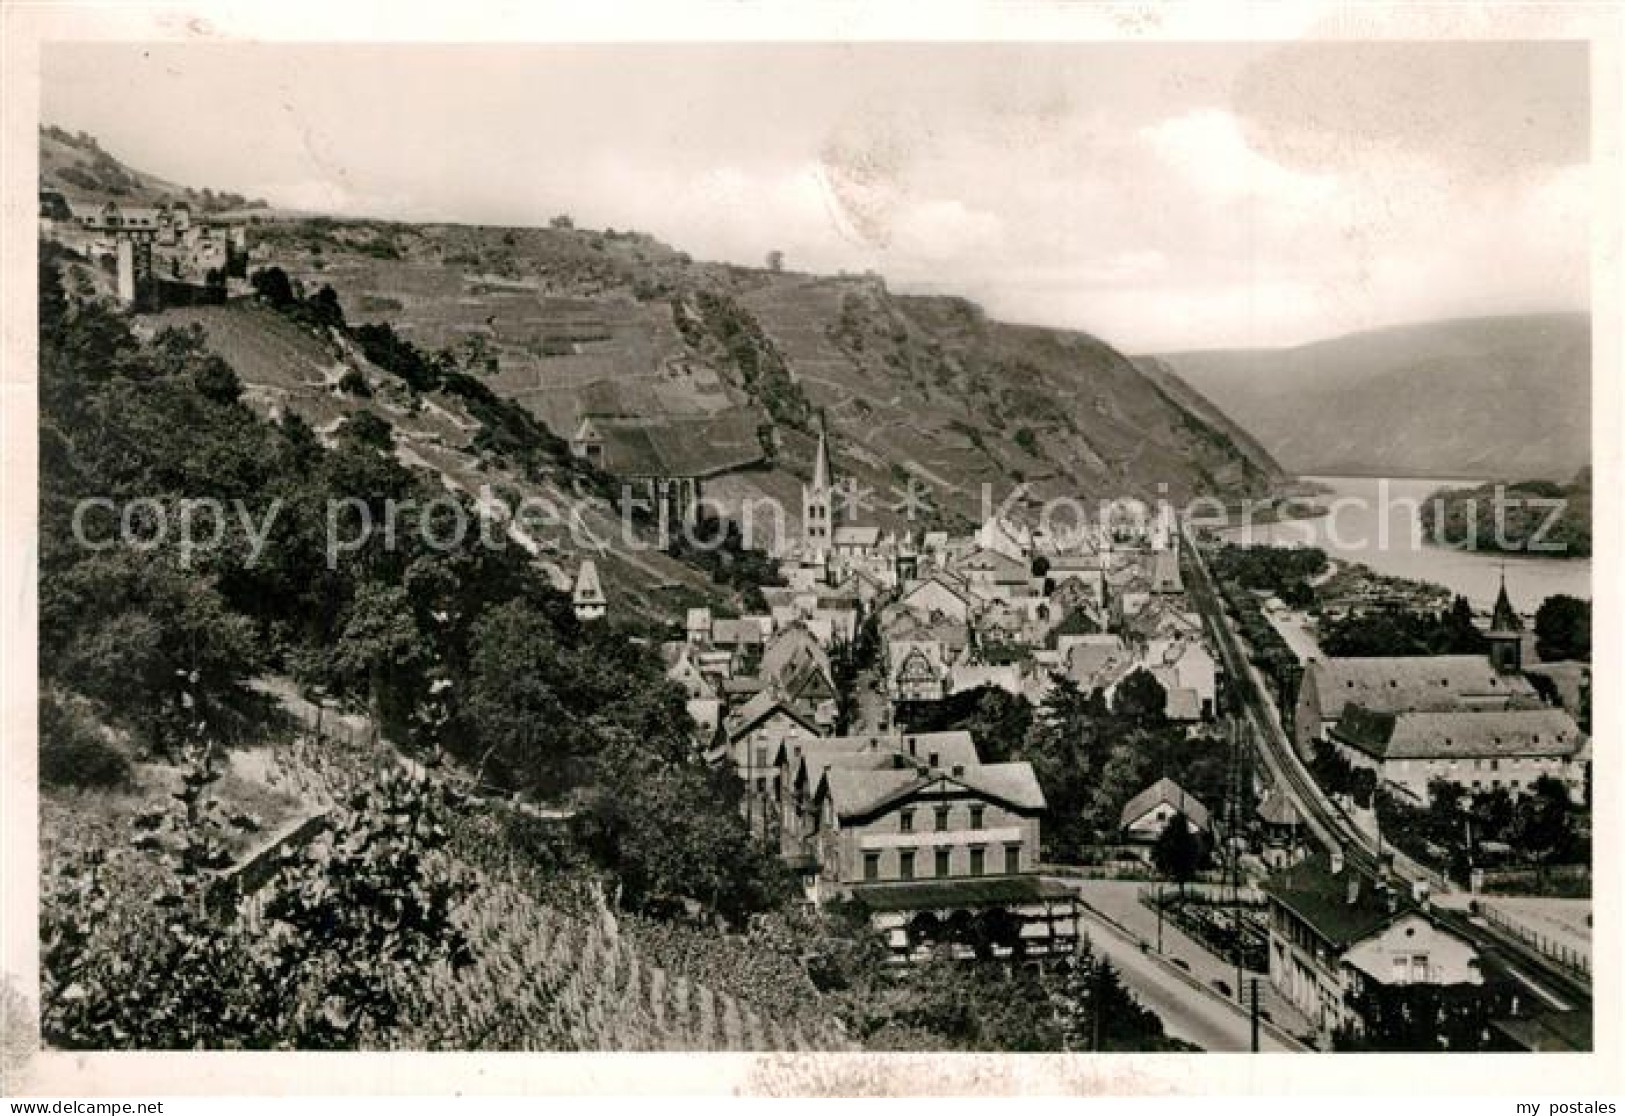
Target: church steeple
x,y
818,499
1505,636
1505,617
822,473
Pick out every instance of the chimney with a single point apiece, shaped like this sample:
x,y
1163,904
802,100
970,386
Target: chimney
x,y
1419,893
1354,889
1337,862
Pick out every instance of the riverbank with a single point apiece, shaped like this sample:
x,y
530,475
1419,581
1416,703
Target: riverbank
x,y
1375,522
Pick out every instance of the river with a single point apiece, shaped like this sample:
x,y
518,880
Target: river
x,y
1374,521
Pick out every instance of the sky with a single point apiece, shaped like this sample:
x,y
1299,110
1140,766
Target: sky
x,y
1161,196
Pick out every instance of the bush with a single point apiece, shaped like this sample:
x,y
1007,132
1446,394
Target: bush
x,y
354,383
73,752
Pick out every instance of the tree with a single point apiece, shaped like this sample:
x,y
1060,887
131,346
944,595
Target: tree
x,y
379,649
1178,852
1140,700
997,720
1545,828
363,427
324,308
274,287
1563,628
673,831
1462,635
354,383
514,704
1095,1012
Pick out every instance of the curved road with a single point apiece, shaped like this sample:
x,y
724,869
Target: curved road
x,y
1197,1016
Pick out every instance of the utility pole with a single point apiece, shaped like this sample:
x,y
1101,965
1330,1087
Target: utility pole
x,y
1233,857
1255,1014
1099,983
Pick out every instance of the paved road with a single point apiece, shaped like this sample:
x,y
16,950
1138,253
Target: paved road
x,y
1186,1013
1119,901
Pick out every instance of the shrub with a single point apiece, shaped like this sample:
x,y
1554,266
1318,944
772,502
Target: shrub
x,y
354,383
72,750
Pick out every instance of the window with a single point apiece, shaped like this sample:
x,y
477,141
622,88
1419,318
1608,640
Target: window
x,y
761,755
934,759
976,817
977,858
871,866
1401,970
905,865
942,818
942,863
905,821
1419,967
1012,859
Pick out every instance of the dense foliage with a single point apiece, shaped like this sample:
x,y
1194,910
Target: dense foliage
x,y
448,641
997,720
1284,571
1090,756
718,547
1397,631
1275,570
1563,628
1536,517
335,960
764,371
1460,828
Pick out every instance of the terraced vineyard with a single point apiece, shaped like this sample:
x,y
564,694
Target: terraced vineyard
x,y
545,979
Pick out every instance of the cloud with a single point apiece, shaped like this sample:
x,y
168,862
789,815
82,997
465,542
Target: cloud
x,y
1208,148
1164,197
939,229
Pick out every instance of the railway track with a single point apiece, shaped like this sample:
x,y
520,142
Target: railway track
x,y
1326,821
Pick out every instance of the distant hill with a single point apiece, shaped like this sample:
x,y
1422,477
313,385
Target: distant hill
x,y
77,166
1492,397
714,370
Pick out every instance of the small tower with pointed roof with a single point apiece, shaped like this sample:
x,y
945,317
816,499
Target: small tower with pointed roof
x,y
818,499
1505,636
587,596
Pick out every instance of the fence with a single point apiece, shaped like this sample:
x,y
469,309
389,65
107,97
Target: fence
x,y
1566,956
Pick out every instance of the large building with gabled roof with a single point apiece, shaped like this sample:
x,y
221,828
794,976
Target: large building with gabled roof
x,y
942,848
1477,749
1401,684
